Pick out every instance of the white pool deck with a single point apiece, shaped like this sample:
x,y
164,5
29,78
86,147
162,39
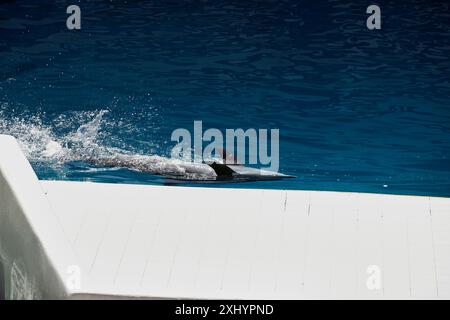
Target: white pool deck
x,y
136,241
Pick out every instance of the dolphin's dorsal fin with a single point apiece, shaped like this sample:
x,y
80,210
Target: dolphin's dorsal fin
x,y
222,170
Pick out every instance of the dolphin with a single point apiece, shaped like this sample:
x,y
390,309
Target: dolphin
x,y
221,170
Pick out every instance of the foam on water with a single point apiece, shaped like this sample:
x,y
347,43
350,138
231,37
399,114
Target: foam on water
x,y
41,144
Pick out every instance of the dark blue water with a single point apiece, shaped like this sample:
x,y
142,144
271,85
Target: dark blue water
x,y
358,110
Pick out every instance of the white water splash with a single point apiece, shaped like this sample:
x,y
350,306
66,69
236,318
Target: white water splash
x,y
32,136
41,144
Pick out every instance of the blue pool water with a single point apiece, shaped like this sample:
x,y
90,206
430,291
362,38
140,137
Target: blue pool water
x,y
358,110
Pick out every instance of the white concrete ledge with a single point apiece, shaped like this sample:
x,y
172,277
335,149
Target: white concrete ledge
x,y
89,240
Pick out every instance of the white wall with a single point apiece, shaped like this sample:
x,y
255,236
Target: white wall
x,y
25,223
171,242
